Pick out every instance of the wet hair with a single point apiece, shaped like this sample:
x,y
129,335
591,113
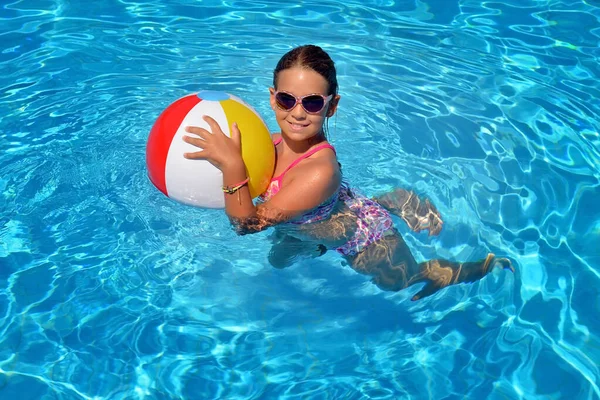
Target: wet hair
x,y
311,57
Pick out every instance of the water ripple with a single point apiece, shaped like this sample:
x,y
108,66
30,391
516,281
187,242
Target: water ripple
x,y
110,290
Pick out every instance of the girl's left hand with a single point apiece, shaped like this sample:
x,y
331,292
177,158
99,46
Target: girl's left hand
x,y
217,148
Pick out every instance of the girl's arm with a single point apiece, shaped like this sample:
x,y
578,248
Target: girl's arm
x,y
301,194
317,183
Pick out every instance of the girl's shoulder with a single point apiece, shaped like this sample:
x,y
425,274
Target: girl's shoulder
x,y
318,163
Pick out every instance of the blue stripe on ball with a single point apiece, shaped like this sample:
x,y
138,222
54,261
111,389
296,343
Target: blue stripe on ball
x,y
212,95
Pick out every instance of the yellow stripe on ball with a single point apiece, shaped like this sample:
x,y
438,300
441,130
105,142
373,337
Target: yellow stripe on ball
x,y
258,151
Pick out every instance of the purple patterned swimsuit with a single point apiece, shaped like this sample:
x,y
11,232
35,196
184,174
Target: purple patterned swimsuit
x,y
372,219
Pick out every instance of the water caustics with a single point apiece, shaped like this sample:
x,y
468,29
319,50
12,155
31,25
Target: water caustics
x,y
110,290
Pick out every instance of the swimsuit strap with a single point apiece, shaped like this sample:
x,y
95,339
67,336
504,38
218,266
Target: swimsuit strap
x,y
303,156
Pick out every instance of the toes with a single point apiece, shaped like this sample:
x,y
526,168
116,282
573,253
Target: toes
x,y
505,263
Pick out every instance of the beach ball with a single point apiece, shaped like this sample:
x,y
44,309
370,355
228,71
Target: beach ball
x,y
197,182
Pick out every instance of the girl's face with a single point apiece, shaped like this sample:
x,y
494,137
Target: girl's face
x,y
296,124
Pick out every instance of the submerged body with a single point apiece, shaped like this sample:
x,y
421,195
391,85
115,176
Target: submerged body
x,y
361,229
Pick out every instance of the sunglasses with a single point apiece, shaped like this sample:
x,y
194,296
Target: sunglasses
x,y
312,103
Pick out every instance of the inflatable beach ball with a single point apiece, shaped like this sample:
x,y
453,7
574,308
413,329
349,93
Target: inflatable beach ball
x,y
198,182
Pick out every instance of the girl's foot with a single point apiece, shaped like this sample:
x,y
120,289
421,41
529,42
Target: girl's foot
x,y
473,271
442,273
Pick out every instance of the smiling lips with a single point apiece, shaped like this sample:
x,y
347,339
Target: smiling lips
x,y
297,127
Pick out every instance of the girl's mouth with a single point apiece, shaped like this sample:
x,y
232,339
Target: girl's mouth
x,y
297,127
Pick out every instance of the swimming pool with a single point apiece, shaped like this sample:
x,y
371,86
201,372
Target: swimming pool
x,y
109,290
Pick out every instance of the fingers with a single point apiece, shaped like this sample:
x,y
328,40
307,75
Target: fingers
x,y
215,144
199,140
202,136
200,143
198,155
236,136
214,125
203,133
200,132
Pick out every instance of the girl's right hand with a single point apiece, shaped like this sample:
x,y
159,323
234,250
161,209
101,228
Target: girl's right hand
x,y
217,148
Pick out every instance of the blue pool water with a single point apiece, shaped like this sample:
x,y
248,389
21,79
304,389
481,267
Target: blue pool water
x,y
109,290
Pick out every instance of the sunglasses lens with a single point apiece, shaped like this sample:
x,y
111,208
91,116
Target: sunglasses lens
x,y
285,101
313,104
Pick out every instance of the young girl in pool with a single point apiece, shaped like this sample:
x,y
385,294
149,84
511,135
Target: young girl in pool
x,y
312,209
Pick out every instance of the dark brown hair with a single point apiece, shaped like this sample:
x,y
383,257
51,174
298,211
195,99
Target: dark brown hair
x,y
311,57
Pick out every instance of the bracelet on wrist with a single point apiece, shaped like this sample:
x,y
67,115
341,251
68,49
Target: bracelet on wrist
x,y
234,188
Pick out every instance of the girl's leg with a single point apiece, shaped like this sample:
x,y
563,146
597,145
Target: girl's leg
x,y
441,273
393,267
419,214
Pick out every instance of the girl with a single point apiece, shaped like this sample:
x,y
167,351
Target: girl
x,y
312,209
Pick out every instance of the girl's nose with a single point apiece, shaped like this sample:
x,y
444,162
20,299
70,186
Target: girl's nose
x,y
298,111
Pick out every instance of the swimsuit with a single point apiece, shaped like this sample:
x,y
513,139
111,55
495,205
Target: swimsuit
x,y
322,211
374,222
372,219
